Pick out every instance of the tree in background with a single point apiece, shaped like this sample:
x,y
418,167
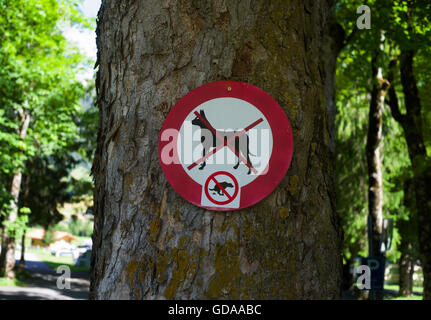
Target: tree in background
x,y
409,252
411,35
39,97
351,166
359,139
414,41
49,182
397,26
48,188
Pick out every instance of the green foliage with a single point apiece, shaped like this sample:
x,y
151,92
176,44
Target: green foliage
x,y
79,227
37,79
18,227
47,188
87,123
54,262
397,170
6,282
49,236
396,26
351,168
423,76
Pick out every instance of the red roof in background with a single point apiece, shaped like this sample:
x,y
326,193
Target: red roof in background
x,y
63,235
39,234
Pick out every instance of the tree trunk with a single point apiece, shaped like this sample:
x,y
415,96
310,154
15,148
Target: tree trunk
x,y
7,262
374,161
3,247
21,264
406,269
148,242
8,257
407,230
348,278
411,122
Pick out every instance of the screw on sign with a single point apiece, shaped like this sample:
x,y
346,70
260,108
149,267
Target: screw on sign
x,y
225,145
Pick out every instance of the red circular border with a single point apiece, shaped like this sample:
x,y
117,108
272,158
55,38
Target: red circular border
x,y
226,174
282,149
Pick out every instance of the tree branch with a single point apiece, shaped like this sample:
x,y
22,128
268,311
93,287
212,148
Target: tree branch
x,y
408,81
339,35
350,37
393,100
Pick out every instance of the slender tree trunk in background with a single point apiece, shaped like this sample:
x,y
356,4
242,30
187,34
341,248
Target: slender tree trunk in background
x,y
374,160
407,230
3,247
21,264
7,262
8,258
148,242
418,158
412,126
406,269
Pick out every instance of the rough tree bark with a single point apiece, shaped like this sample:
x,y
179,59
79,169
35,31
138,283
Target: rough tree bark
x,y
150,243
374,160
7,258
411,123
335,41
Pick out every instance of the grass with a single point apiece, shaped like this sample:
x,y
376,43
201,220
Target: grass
x,y
80,240
5,282
413,297
417,292
395,287
20,276
54,262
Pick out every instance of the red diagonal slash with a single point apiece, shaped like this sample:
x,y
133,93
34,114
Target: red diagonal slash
x,y
221,138
222,189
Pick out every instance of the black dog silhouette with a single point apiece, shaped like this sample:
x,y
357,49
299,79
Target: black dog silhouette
x,y
224,184
243,149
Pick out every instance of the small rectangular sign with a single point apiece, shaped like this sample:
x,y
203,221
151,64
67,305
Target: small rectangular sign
x,y
377,267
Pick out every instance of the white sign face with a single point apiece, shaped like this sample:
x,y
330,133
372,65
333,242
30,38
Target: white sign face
x,y
226,135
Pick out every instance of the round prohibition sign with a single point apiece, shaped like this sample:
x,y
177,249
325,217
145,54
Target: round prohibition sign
x,y
191,182
212,177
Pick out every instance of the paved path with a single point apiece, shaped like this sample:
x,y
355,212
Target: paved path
x,y
43,284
